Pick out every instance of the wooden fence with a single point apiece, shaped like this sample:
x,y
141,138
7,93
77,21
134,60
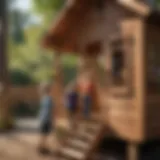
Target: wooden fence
x,y
30,95
25,94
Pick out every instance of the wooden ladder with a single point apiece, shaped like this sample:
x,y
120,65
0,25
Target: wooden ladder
x,y
82,143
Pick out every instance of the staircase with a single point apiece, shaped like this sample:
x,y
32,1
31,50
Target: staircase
x,y
82,143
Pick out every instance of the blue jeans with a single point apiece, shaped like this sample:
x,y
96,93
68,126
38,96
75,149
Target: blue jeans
x,y
87,102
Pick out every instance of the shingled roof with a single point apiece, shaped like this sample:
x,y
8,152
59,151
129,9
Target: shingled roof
x,y
66,26
63,34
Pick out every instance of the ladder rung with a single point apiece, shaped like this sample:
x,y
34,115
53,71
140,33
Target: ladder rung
x,y
79,144
86,135
94,127
71,153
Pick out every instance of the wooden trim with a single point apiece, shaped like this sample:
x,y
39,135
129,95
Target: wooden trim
x,y
125,89
135,28
132,151
139,61
140,8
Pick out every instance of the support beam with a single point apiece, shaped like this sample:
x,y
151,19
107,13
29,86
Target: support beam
x,y
58,91
60,111
132,151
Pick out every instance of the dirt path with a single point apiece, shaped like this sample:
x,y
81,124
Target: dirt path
x,y
21,144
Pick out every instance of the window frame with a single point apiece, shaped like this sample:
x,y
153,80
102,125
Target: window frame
x,y
126,87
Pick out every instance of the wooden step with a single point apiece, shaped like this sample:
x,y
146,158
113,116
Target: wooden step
x,y
60,158
90,127
93,128
94,120
91,121
86,136
82,135
69,152
78,144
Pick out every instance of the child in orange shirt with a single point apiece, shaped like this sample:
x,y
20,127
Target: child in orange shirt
x,y
86,92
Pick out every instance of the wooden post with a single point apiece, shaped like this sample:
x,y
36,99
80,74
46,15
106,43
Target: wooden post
x,y
135,29
58,97
132,151
140,74
59,87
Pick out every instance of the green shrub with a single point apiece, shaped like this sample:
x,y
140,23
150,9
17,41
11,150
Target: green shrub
x,y
23,109
19,77
6,124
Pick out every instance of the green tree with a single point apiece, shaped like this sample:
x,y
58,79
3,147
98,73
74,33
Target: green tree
x,y
18,77
17,24
48,8
30,58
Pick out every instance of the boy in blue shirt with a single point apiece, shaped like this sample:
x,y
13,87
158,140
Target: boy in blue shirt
x,y
72,103
46,117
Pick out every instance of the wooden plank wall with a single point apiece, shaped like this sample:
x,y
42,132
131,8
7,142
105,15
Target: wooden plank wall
x,y
121,117
28,94
126,112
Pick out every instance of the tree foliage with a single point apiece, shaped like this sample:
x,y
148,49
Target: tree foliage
x,y
18,21
32,63
29,57
44,6
47,8
19,77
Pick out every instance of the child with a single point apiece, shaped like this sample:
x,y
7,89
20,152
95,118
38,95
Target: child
x,y
87,101
72,103
86,95
46,117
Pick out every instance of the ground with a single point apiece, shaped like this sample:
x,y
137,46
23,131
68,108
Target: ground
x,y
21,144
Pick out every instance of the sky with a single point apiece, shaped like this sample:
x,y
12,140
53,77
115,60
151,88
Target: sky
x,y
24,4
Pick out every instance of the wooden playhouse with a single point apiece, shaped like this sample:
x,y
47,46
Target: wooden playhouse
x,y
118,41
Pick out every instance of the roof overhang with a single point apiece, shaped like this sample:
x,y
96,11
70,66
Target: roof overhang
x,y
63,34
